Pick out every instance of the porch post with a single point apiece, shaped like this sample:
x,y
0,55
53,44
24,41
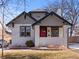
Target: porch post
x,y
65,35
37,35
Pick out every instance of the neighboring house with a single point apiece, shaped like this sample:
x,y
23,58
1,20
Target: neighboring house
x,y
40,26
7,33
75,35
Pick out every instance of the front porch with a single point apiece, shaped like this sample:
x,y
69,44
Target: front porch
x,y
46,39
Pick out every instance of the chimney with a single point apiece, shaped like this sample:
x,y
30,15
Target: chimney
x,y
59,12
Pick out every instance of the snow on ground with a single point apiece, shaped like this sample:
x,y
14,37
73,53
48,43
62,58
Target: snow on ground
x,y
74,46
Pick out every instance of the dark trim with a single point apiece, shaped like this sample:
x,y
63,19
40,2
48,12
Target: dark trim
x,y
13,24
23,13
61,18
31,12
38,12
32,18
52,13
15,18
47,14
41,19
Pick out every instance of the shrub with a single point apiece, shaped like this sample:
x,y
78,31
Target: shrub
x,y
29,43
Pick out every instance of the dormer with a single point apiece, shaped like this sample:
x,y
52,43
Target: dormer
x,y
38,14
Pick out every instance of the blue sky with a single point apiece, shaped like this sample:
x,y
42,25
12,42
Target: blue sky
x,y
15,7
36,4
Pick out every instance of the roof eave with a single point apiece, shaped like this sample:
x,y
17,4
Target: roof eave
x,y
51,13
19,16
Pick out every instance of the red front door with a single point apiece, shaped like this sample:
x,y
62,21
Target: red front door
x,y
43,31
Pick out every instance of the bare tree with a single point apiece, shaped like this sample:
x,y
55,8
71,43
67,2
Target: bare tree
x,y
51,6
69,8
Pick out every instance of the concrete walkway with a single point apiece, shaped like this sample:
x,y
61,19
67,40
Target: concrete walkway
x,y
74,46
71,46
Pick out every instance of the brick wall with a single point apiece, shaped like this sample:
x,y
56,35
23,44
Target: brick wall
x,y
73,39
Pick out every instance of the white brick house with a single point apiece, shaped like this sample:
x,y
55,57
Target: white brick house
x,y
42,27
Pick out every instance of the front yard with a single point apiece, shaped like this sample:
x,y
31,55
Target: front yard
x,y
40,54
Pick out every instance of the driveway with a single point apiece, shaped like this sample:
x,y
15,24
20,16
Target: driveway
x,y
74,46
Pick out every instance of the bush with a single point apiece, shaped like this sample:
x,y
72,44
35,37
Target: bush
x,y
29,43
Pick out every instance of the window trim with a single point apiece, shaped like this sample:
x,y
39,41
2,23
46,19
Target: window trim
x,y
25,31
58,31
21,31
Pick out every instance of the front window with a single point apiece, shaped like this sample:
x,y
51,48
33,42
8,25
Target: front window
x,y
49,31
28,30
54,31
25,31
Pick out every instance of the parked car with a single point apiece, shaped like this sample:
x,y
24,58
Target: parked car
x,y
5,44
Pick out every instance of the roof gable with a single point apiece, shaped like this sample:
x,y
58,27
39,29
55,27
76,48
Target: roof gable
x,y
47,14
23,13
52,13
38,14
